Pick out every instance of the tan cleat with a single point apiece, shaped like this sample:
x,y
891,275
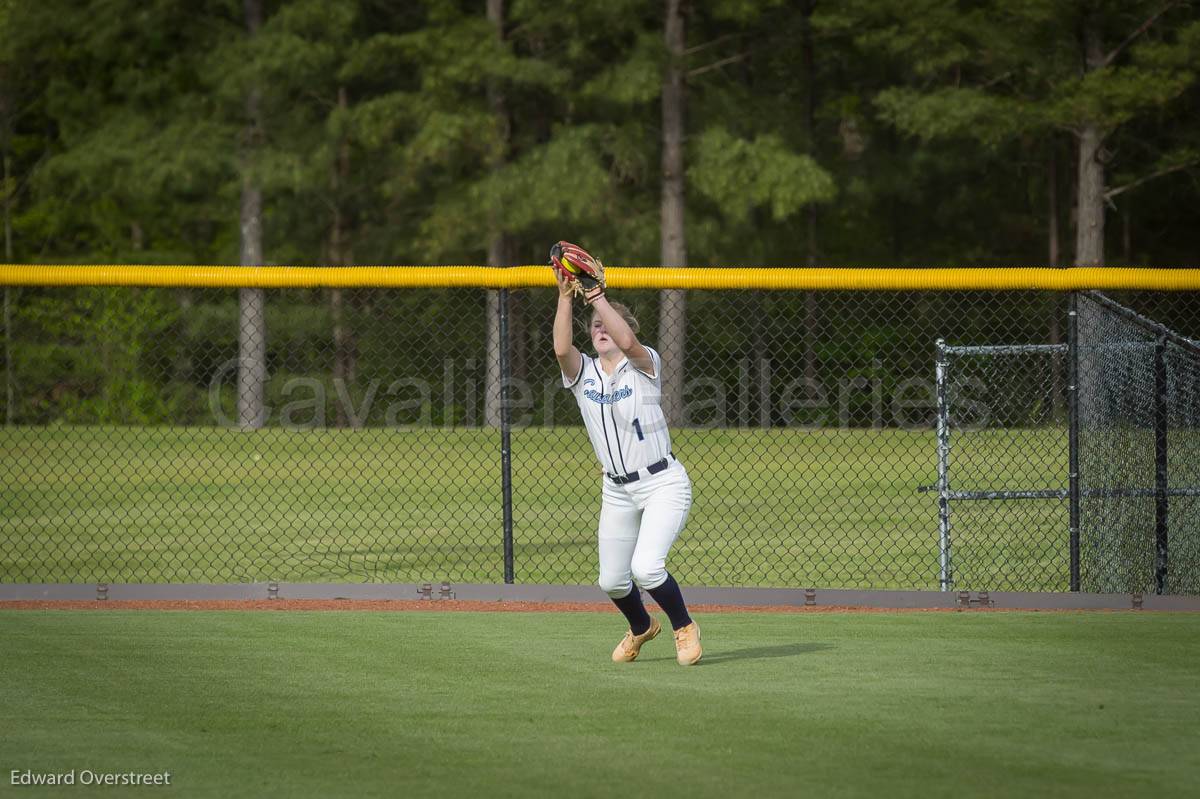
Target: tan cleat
x,y
631,645
687,645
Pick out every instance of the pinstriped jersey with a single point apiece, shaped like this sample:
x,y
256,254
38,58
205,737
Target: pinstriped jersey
x,y
622,413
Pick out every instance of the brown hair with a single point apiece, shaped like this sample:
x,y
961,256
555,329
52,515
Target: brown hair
x,y
626,314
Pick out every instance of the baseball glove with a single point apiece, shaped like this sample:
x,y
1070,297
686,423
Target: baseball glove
x,y
582,272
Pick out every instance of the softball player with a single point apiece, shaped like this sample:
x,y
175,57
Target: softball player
x,y
647,493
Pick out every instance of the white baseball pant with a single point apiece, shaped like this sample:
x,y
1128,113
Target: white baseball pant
x,y
639,522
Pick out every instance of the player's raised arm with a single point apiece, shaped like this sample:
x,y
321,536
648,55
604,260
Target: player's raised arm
x,y
623,336
578,271
569,359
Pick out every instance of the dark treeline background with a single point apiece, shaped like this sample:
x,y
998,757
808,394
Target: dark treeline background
x,y
724,133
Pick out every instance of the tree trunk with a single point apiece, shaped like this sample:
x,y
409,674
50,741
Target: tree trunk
x,y
1089,230
10,393
759,362
182,372
672,320
810,125
1053,259
252,324
344,345
1053,255
10,389
499,243
1126,235
518,315
499,255
341,360
1089,234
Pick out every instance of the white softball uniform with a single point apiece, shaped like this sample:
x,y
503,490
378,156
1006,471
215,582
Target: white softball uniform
x,y
647,492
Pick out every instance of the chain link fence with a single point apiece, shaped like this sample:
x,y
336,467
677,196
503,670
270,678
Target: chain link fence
x,y
1120,412
1139,452
347,435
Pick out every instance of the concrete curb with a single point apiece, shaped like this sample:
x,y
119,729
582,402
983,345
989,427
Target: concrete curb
x,y
811,597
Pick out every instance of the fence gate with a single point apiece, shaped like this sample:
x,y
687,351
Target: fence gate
x,y
1072,466
1002,443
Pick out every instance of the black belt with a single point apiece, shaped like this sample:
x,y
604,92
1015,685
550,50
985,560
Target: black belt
x,y
654,468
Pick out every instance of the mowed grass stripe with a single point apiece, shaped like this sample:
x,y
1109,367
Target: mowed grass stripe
x,y
343,703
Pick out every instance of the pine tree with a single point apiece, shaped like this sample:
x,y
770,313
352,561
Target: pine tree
x,y
995,72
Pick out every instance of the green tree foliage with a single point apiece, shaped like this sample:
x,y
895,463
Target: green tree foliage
x,y
134,159
865,132
125,119
997,71
741,175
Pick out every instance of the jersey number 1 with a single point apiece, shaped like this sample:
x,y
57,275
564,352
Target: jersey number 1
x,y
638,428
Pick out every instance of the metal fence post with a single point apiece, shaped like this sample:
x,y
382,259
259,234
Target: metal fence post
x,y
505,439
945,578
1073,435
1160,465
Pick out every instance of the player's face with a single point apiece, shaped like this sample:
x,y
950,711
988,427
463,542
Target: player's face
x,y
600,338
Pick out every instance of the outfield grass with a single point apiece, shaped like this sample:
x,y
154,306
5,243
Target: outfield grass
x,y
781,507
462,704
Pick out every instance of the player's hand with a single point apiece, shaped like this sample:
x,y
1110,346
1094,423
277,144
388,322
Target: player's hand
x,y
564,286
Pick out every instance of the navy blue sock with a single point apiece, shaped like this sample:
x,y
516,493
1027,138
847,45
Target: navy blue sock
x,y
631,605
670,599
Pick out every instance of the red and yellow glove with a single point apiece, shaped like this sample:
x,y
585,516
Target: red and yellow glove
x,y
582,272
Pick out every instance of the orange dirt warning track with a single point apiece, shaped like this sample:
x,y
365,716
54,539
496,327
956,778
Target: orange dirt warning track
x,y
444,605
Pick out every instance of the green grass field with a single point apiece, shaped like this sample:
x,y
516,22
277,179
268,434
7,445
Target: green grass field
x,y
527,704
782,507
